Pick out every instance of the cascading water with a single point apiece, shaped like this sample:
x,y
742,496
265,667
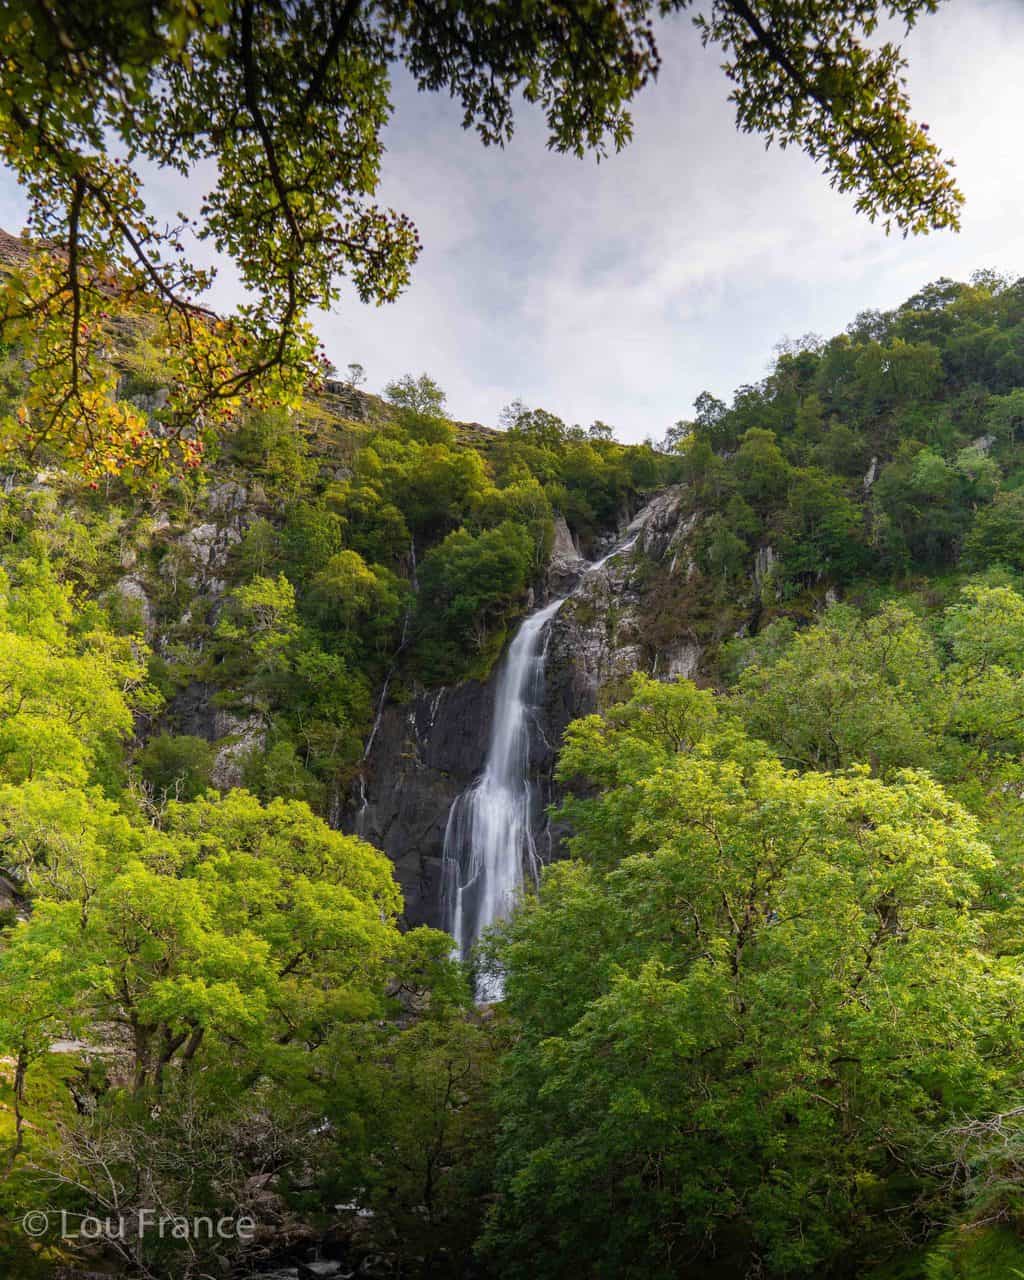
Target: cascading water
x,y
489,848
488,845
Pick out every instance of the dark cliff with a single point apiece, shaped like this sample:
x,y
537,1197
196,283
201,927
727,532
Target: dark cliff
x,y
631,613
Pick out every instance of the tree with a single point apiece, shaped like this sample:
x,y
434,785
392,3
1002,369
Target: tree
x,y
997,535
676,436
413,1106
66,700
421,395
258,630
365,602
848,690
237,929
289,105
1006,414
420,404
536,426
745,1014
709,412
176,766
822,530
919,497
468,585
721,553
761,471
890,692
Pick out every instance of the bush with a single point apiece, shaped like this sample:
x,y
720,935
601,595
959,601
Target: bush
x,y
177,766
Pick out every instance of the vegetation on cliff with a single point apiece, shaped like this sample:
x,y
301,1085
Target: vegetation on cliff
x,y
763,1015
893,448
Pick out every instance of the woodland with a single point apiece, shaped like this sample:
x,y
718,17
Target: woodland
x,y
765,1018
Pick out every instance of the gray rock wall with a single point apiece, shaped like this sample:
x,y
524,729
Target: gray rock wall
x,y
427,751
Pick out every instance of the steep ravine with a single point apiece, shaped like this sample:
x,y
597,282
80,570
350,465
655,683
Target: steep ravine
x,y
624,615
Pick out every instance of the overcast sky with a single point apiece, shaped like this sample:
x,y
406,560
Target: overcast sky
x,y
620,291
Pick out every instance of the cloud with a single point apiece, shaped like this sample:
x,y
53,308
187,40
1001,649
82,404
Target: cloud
x,y
620,290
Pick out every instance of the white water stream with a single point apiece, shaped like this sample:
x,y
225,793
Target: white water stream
x,y
489,847
488,843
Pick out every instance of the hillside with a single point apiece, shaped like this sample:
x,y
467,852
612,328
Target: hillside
x,y
768,995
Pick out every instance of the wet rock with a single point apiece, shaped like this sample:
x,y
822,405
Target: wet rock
x,y
426,752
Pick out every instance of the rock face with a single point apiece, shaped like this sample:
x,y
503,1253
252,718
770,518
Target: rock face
x,y
626,612
239,736
566,563
135,601
425,754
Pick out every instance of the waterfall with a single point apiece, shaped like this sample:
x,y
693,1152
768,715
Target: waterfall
x,y
489,849
615,551
488,844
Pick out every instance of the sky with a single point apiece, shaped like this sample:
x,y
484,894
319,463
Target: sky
x,y
621,290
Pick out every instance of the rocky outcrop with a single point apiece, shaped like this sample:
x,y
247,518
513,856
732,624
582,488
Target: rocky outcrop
x,y
426,752
236,733
207,547
625,612
566,563
135,604
238,737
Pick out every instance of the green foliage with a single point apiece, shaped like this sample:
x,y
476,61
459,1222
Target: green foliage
x,y
271,663
287,110
229,955
760,469
360,603
66,699
420,402
887,450
845,691
771,1002
469,585
176,766
722,555
268,446
417,1123
755,990
312,533
821,530
997,535
588,477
